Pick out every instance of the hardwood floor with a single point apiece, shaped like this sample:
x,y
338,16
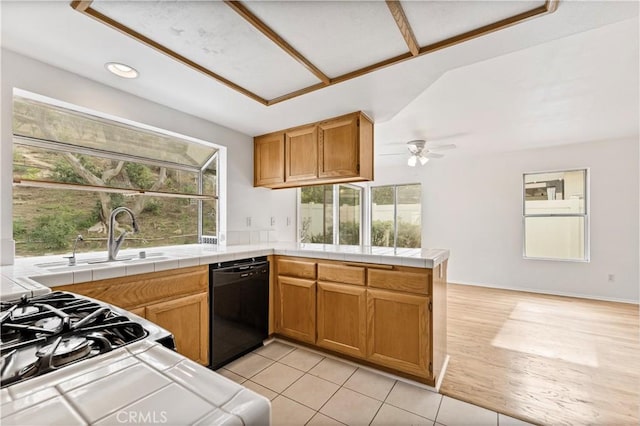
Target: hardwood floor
x,y
544,359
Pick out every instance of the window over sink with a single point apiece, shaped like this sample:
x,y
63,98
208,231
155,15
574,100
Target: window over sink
x,y
72,167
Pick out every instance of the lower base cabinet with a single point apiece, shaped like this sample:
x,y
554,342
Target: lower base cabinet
x,y
392,317
342,319
296,316
184,318
398,333
177,300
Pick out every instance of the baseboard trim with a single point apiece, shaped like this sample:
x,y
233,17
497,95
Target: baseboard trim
x,y
551,293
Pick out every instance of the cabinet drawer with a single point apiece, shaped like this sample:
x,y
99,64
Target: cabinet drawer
x,y
297,268
137,290
412,280
341,273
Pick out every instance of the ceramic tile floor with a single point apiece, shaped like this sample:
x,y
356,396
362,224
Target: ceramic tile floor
x,y
306,388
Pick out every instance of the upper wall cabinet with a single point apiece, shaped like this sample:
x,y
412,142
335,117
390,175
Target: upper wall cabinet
x,y
331,151
268,159
301,154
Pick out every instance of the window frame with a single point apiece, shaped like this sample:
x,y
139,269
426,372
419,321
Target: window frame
x,y
586,216
335,194
395,212
219,156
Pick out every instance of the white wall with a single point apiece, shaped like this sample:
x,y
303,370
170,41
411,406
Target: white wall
x,y
243,200
473,206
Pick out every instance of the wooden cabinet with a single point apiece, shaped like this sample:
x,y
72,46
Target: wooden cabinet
x,y
177,300
297,309
336,150
301,148
411,280
338,147
342,319
398,331
389,316
268,159
187,318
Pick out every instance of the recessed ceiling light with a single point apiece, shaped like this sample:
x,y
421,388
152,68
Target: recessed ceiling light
x,y
121,70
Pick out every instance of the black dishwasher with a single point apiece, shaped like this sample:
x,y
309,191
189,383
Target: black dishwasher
x,y
239,308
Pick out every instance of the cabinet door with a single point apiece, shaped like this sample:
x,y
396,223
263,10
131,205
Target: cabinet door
x,y
398,331
342,319
338,148
187,318
268,161
296,315
301,147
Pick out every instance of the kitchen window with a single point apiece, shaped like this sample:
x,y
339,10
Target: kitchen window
x,y
396,216
71,168
330,214
555,215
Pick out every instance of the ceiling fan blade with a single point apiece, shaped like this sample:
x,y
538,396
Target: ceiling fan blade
x,y
441,147
433,155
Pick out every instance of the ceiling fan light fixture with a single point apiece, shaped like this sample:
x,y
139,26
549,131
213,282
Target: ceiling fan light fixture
x,y
423,160
121,70
411,162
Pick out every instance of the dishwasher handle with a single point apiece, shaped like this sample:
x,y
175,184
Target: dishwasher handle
x,y
233,274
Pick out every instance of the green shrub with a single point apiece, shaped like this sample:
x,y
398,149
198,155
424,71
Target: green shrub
x,y
53,232
19,229
140,175
152,207
64,172
409,235
382,233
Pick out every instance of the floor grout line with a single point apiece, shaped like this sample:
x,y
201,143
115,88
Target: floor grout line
x,y
342,386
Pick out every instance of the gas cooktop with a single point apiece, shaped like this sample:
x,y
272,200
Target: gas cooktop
x,y
44,333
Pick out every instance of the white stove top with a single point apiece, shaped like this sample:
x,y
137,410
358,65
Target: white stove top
x,y
143,382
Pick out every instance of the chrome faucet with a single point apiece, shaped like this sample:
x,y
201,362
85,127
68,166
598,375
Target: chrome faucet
x,y
113,244
72,258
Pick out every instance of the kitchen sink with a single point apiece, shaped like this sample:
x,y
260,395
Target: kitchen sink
x,y
94,263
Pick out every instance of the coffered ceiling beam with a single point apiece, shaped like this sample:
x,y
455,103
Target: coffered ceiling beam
x,y
452,41
486,29
81,6
403,25
85,8
242,10
549,6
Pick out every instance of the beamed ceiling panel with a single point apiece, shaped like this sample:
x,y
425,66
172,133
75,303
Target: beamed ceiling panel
x,y
276,50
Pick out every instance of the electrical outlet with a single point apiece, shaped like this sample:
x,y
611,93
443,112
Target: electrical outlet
x,y
612,278
248,222
288,221
273,221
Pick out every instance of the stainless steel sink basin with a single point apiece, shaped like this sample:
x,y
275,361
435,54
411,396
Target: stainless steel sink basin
x,y
94,263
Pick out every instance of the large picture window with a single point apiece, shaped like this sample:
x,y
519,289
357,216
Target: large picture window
x,y
71,169
331,214
555,215
396,216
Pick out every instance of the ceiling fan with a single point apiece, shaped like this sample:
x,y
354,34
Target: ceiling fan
x,y
421,153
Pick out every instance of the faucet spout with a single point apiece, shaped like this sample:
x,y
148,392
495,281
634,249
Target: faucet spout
x,y
113,244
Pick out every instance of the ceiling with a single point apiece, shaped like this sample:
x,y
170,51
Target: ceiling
x,y
569,76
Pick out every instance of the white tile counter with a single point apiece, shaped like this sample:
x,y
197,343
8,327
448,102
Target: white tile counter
x,y
35,274
141,383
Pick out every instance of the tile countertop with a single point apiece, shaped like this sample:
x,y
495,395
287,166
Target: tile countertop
x,y
143,382
35,275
